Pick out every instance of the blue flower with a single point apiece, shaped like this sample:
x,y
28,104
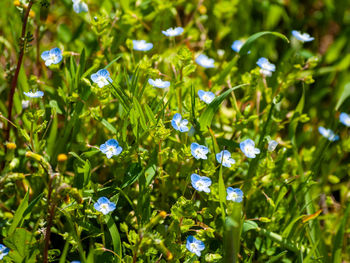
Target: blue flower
x,y
344,119
110,148
194,245
54,56
173,32
201,183
234,194
328,133
206,96
179,124
272,145
101,78
104,206
236,45
159,83
225,157
248,148
75,261
79,6
204,61
266,67
37,94
141,45
303,37
199,151
3,251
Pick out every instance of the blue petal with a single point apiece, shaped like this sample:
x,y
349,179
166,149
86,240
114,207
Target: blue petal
x,y
194,146
103,73
103,148
94,77
201,93
112,142
195,178
56,51
103,200
119,150
111,206
97,206
45,55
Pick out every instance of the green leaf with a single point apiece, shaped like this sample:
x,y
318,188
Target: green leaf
x,y
109,126
247,45
132,175
339,237
208,115
54,105
18,216
226,70
22,244
140,113
31,205
113,230
344,95
249,225
232,234
114,60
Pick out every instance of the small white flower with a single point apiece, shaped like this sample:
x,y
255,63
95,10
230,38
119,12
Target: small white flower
x,y
141,45
248,148
204,61
224,157
234,194
272,145
173,32
101,78
79,6
199,151
206,96
37,94
344,119
53,56
303,37
159,83
266,67
179,124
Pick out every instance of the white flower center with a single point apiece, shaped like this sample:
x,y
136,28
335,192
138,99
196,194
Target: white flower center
x,y
104,207
249,149
193,246
199,184
110,149
233,196
206,98
198,152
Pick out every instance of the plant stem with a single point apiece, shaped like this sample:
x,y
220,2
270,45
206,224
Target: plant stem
x,y
15,77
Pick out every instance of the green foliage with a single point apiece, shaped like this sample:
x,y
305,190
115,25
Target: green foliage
x,y
52,170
